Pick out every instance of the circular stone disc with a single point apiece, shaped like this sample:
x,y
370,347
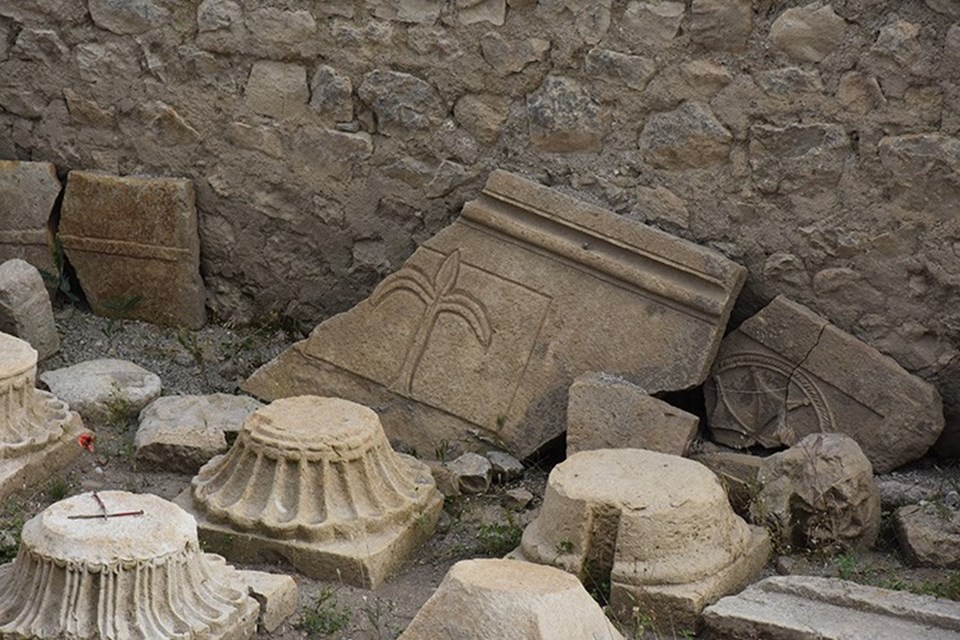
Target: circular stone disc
x,y
636,478
313,423
163,529
18,356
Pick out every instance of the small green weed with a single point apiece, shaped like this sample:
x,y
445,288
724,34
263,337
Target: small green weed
x,y
58,489
564,546
188,340
499,539
325,616
116,310
60,281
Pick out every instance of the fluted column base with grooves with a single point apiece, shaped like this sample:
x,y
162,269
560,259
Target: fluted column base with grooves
x,y
137,574
314,481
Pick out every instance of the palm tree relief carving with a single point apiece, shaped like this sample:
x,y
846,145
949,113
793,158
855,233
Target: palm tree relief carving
x,y
439,295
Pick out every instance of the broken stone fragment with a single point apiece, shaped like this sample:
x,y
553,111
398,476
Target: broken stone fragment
x,y
689,137
787,372
473,472
721,25
819,494
477,338
25,309
809,33
813,608
509,600
605,411
403,103
564,117
276,89
277,595
104,391
505,466
929,534
516,499
736,470
28,191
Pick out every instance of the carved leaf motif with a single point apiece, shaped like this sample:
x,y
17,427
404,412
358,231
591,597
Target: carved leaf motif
x,y
447,274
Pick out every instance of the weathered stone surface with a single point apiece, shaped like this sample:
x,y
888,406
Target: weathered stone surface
x,y
213,15
401,102
474,11
721,25
181,433
277,596
737,472
135,246
929,534
325,491
690,137
819,494
809,33
925,170
628,70
281,25
659,205
28,191
601,512
563,118
276,89
812,608
516,499
126,17
505,467
786,372
43,45
331,94
57,585
25,309
476,335
105,390
605,411
649,26
804,158
473,472
37,430
482,116
413,11
512,57
509,600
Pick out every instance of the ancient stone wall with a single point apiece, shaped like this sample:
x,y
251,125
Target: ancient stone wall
x,y
815,143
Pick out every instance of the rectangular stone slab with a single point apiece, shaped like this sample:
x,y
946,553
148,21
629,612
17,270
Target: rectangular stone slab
x,y
28,191
811,608
135,246
475,340
786,373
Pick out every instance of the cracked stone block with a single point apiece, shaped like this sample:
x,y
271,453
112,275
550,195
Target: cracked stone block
x,y
38,431
277,595
658,527
786,373
25,308
477,338
509,600
120,565
106,390
813,608
28,191
605,411
135,245
324,491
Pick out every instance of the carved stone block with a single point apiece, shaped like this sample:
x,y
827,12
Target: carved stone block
x,y
28,191
786,373
477,338
314,480
135,246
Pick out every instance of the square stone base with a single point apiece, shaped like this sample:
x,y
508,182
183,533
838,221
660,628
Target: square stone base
x,y
33,468
676,608
364,562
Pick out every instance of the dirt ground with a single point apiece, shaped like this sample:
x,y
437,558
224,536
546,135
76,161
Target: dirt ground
x,y
217,358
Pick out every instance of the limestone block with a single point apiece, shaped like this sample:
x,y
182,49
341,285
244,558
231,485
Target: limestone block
x,y
660,205
505,467
37,430
478,334
331,94
277,595
721,25
276,89
689,137
413,11
403,103
324,491
929,534
473,472
798,158
482,115
649,26
25,309
819,494
924,169
281,25
104,390
160,583
786,372
563,117
737,472
516,499
213,15
809,33
474,11
135,246
605,411
181,433
812,608
28,191
128,17
509,600
657,526
508,57
631,71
